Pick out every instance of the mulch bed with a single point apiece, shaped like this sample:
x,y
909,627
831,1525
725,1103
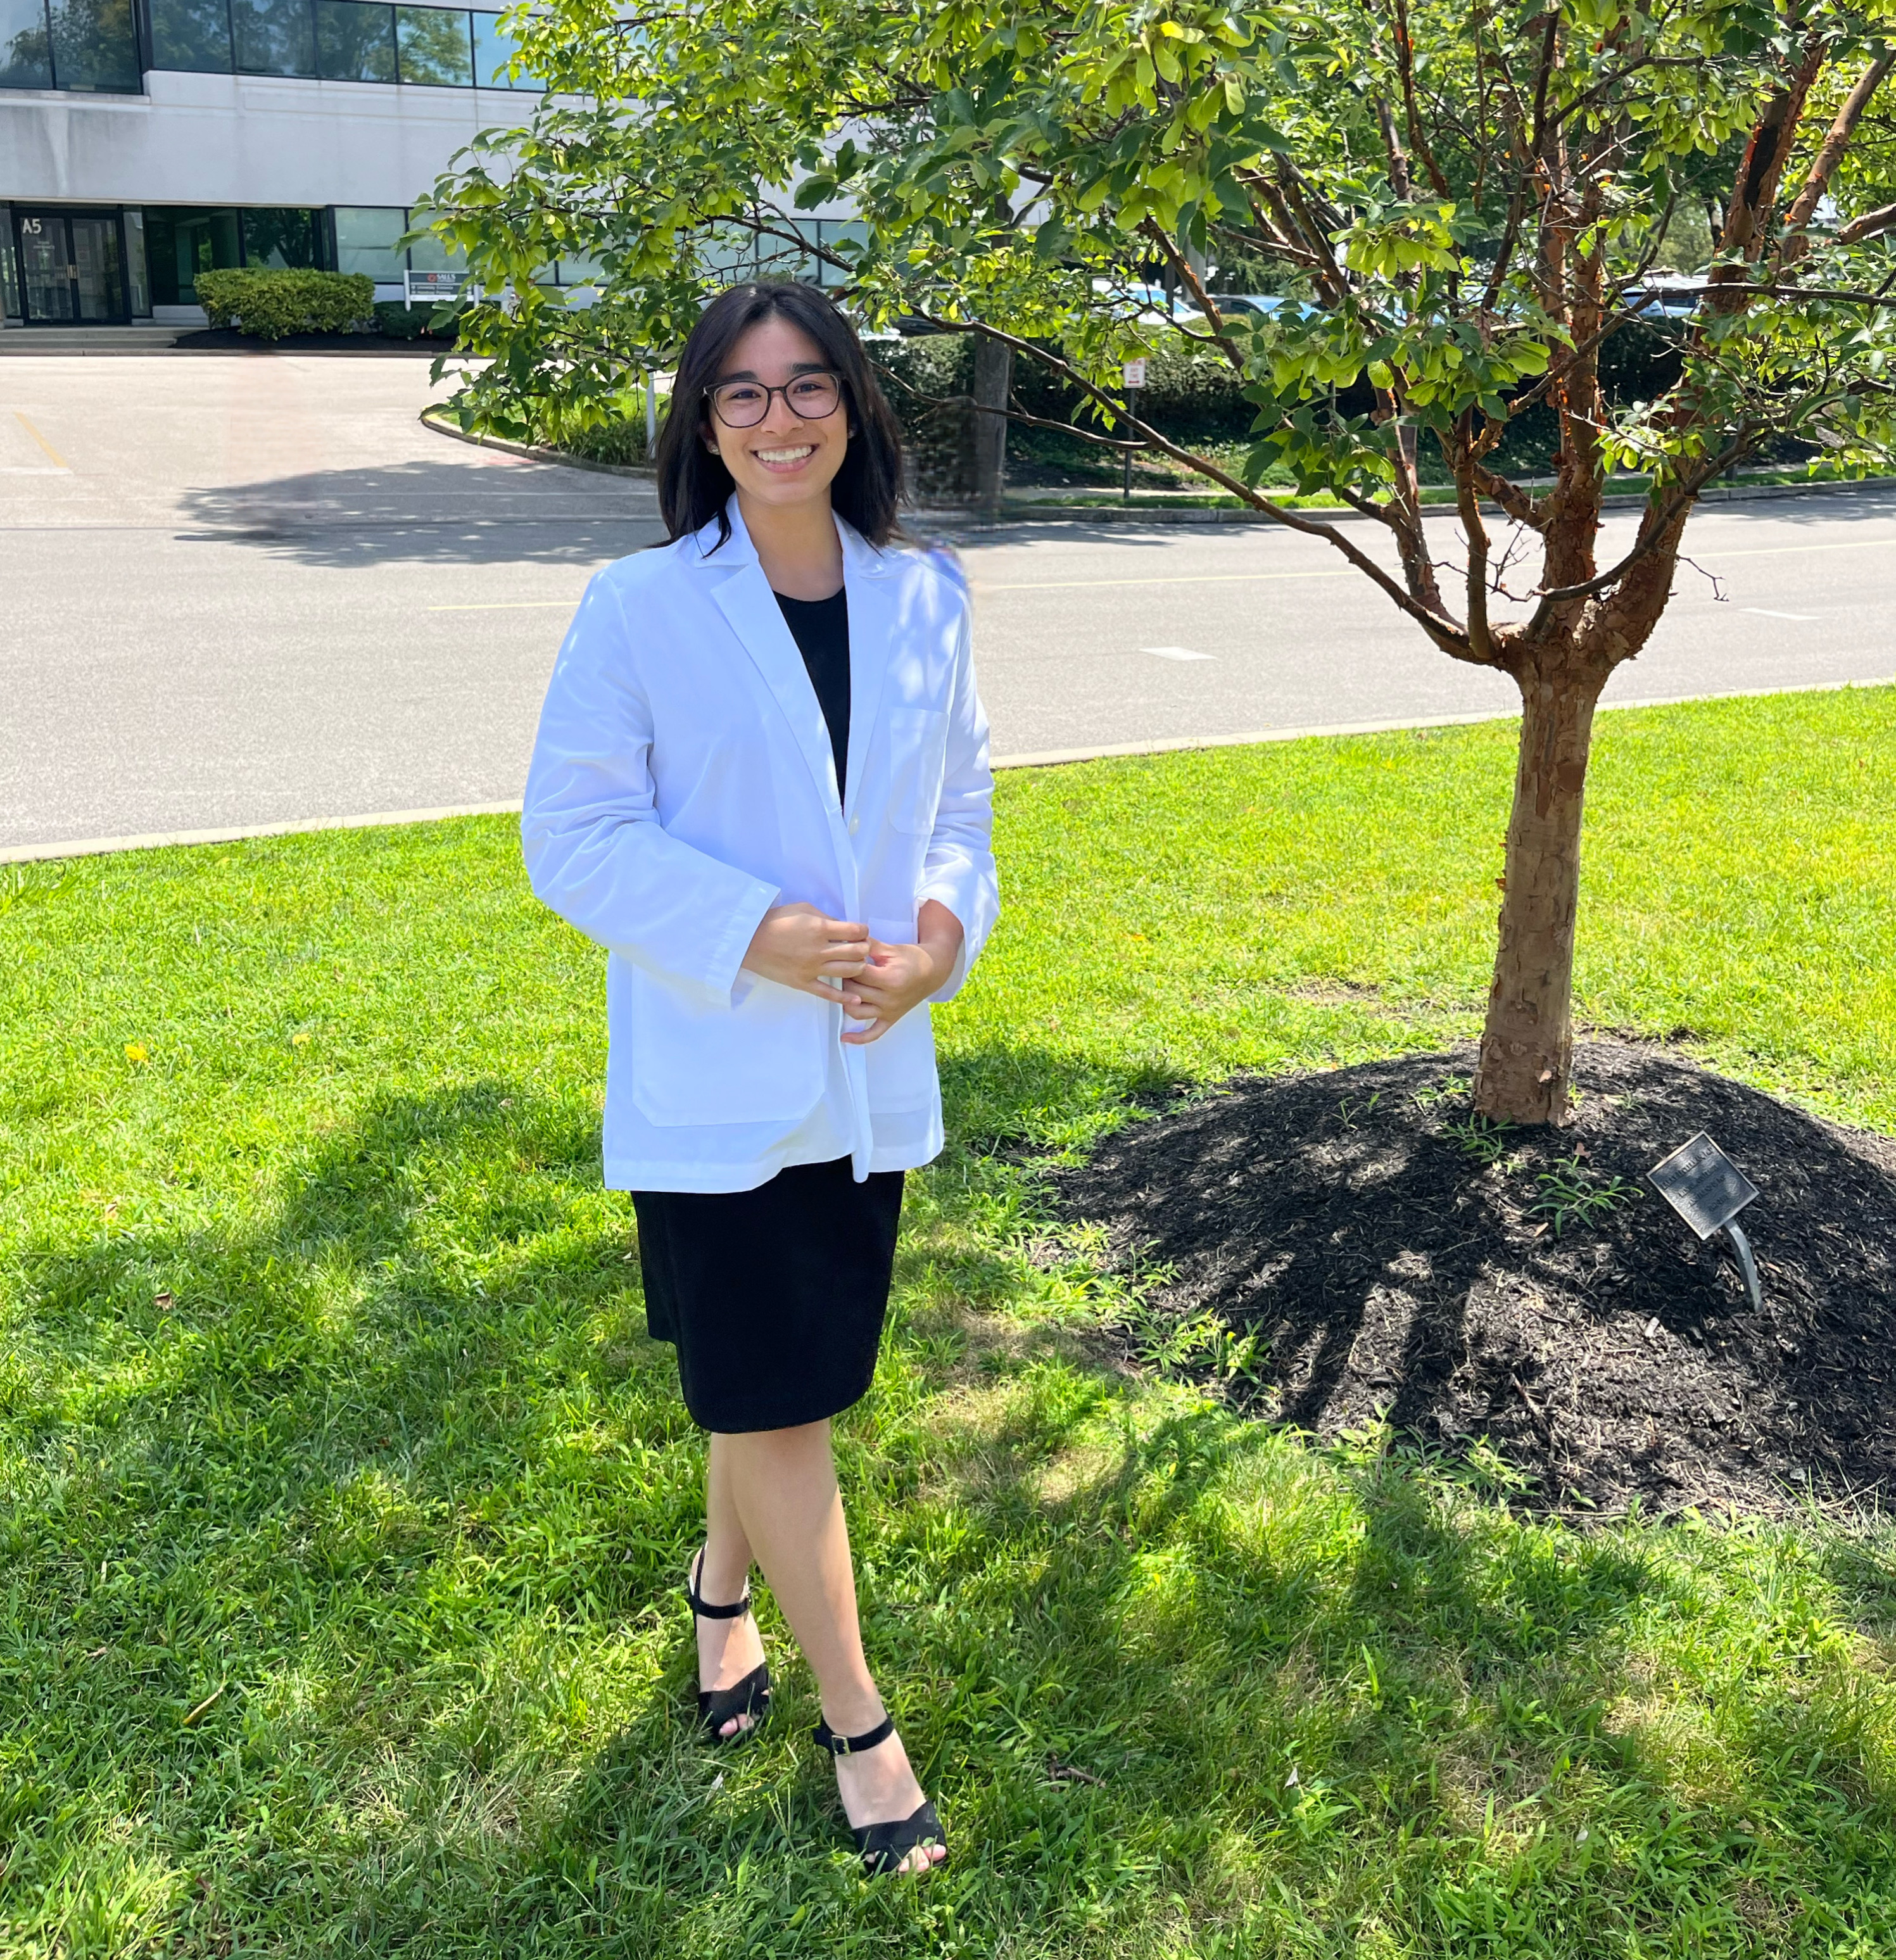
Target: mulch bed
x,y
1400,1260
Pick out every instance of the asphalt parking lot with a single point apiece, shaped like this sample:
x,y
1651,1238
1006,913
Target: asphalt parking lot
x,y
253,588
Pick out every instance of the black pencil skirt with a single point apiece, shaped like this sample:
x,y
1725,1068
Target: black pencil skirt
x,y
775,1297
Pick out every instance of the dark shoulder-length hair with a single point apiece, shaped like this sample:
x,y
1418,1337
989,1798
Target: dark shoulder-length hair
x,y
693,485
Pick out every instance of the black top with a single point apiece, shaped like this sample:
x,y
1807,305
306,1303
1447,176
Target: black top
x,y
820,627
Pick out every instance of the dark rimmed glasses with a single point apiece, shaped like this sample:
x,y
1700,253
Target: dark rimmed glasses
x,y
745,404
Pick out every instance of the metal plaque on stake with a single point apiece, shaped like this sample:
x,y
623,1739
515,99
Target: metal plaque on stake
x,y
1133,375
1708,1190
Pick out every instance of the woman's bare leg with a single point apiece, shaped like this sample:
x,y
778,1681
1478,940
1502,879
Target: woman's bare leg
x,y
727,1649
781,1485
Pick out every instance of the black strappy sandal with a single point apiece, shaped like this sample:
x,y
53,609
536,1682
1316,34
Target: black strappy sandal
x,y
882,1846
751,1696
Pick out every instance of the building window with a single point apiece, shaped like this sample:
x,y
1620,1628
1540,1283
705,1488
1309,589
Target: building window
x,y
280,239
336,40
90,47
194,35
181,242
354,41
95,47
9,271
275,37
365,241
492,52
435,46
26,45
137,276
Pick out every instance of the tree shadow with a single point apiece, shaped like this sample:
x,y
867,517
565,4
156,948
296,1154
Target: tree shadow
x,y
495,511
344,1544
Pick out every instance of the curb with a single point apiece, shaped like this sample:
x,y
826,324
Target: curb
x,y
1111,513
94,847
436,419
1249,738
952,516
237,833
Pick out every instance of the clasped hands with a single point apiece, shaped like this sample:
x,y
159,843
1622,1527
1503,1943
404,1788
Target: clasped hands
x,y
800,946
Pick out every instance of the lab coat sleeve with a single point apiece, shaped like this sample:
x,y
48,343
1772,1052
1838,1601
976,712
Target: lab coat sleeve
x,y
595,851
958,870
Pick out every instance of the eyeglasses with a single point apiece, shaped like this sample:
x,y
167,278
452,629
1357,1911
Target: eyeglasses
x,y
745,404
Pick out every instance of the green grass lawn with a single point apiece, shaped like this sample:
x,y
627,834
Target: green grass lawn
x,y
343,1501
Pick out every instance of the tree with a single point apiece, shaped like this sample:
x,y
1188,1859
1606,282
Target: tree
x,y
1474,198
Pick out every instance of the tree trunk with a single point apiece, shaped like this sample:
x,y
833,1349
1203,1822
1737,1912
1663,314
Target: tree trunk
x,y
993,376
1527,1046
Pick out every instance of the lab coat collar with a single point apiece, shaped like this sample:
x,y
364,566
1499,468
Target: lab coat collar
x,y
861,558
744,595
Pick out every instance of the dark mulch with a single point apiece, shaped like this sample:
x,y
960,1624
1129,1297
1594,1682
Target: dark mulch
x,y
225,340
1349,1220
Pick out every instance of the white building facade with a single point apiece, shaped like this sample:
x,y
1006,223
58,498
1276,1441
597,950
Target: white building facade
x,y
143,141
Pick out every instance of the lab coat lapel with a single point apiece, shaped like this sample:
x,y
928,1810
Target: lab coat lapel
x,y
744,596
872,623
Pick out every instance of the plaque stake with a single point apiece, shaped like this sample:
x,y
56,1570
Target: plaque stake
x,y
1748,1265
1708,1190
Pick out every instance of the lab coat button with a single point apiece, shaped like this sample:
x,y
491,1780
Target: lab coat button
x,y
855,824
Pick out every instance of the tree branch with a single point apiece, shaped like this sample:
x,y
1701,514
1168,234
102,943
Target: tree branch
x,y
1512,499
1405,62
1871,225
1755,190
1189,274
1652,530
1480,641
1446,634
1795,241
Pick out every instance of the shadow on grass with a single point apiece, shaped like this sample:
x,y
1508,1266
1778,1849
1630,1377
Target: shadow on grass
x,y
340,1612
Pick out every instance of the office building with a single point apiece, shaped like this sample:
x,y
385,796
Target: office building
x,y
143,141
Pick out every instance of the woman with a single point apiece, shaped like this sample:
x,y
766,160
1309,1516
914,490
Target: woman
x,y
761,784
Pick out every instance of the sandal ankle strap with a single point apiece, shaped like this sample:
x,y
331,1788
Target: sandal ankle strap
x,y
851,1745
705,1611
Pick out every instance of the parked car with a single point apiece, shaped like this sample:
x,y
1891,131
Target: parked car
x,y
1670,295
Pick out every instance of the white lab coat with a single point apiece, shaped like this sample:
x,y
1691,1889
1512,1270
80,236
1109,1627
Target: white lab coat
x,y
682,783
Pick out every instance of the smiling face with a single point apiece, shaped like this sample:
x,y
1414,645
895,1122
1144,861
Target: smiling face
x,y
785,458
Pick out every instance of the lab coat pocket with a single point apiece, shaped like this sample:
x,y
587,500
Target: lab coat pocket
x,y
901,1064
758,1060
918,744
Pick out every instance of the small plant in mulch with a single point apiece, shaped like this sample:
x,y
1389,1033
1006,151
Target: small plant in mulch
x,y
1357,1252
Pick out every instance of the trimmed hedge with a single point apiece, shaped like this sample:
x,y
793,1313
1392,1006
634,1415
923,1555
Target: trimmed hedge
x,y
271,303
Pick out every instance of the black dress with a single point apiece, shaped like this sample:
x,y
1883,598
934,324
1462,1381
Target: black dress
x,y
775,1297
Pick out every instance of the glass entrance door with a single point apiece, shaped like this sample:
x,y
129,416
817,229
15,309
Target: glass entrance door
x,y
71,268
98,275
47,284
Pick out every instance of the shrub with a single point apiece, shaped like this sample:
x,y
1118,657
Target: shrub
x,y
271,303
612,431
1190,395
937,436
394,321
620,441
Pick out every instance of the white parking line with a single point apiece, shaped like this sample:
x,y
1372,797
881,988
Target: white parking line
x,y
1177,653
1765,612
509,606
